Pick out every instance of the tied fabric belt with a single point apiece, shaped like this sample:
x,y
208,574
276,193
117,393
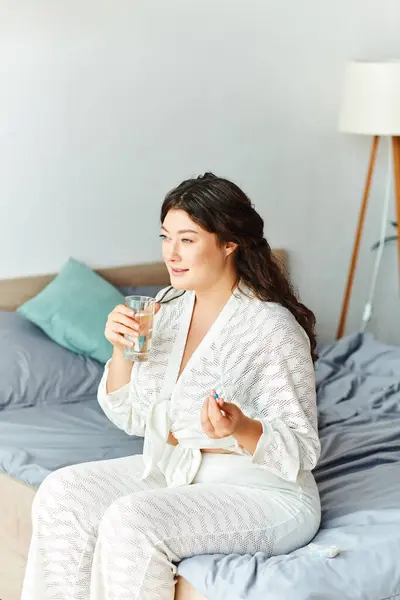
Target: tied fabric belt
x,y
179,464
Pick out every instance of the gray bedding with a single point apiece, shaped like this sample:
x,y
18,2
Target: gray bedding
x,y
358,478
35,371
38,440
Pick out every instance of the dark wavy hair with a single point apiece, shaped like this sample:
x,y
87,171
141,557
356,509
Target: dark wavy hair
x,y
221,207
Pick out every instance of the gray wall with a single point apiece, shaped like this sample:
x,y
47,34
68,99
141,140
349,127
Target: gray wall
x,y
106,105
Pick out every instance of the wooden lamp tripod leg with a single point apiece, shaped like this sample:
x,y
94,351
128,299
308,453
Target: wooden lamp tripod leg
x,y
357,240
396,174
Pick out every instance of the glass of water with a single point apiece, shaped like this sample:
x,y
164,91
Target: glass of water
x,y
144,309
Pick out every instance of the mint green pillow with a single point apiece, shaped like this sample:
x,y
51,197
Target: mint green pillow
x,y
73,309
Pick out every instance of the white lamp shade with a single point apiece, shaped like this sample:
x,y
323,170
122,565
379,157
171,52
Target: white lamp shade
x,y
371,98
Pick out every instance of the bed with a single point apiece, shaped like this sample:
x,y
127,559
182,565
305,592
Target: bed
x,y
358,474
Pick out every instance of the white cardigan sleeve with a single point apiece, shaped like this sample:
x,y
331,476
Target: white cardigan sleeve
x,y
286,405
122,406
119,406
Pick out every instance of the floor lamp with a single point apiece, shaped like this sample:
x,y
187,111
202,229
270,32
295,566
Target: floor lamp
x,y
371,106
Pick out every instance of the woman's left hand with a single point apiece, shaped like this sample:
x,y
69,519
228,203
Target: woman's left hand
x,y
220,419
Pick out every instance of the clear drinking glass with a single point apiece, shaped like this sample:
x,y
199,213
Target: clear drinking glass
x,y
144,309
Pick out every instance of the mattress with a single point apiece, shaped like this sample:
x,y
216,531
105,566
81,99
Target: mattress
x,y
15,531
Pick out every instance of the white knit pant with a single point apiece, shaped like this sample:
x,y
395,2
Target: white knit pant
x,y
100,533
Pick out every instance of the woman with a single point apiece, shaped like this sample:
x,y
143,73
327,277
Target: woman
x,y
226,404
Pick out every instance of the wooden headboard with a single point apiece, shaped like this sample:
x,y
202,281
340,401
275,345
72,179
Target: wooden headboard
x,y
16,291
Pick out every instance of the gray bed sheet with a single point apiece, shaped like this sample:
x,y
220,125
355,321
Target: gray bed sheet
x,y
38,440
359,482
358,477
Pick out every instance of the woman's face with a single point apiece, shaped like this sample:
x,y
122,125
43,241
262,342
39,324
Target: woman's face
x,y
191,254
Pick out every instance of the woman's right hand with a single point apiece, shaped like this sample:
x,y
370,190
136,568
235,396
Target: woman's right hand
x,y
121,321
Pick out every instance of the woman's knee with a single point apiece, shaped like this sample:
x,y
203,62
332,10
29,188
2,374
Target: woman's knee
x,y
60,491
134,513
135,526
